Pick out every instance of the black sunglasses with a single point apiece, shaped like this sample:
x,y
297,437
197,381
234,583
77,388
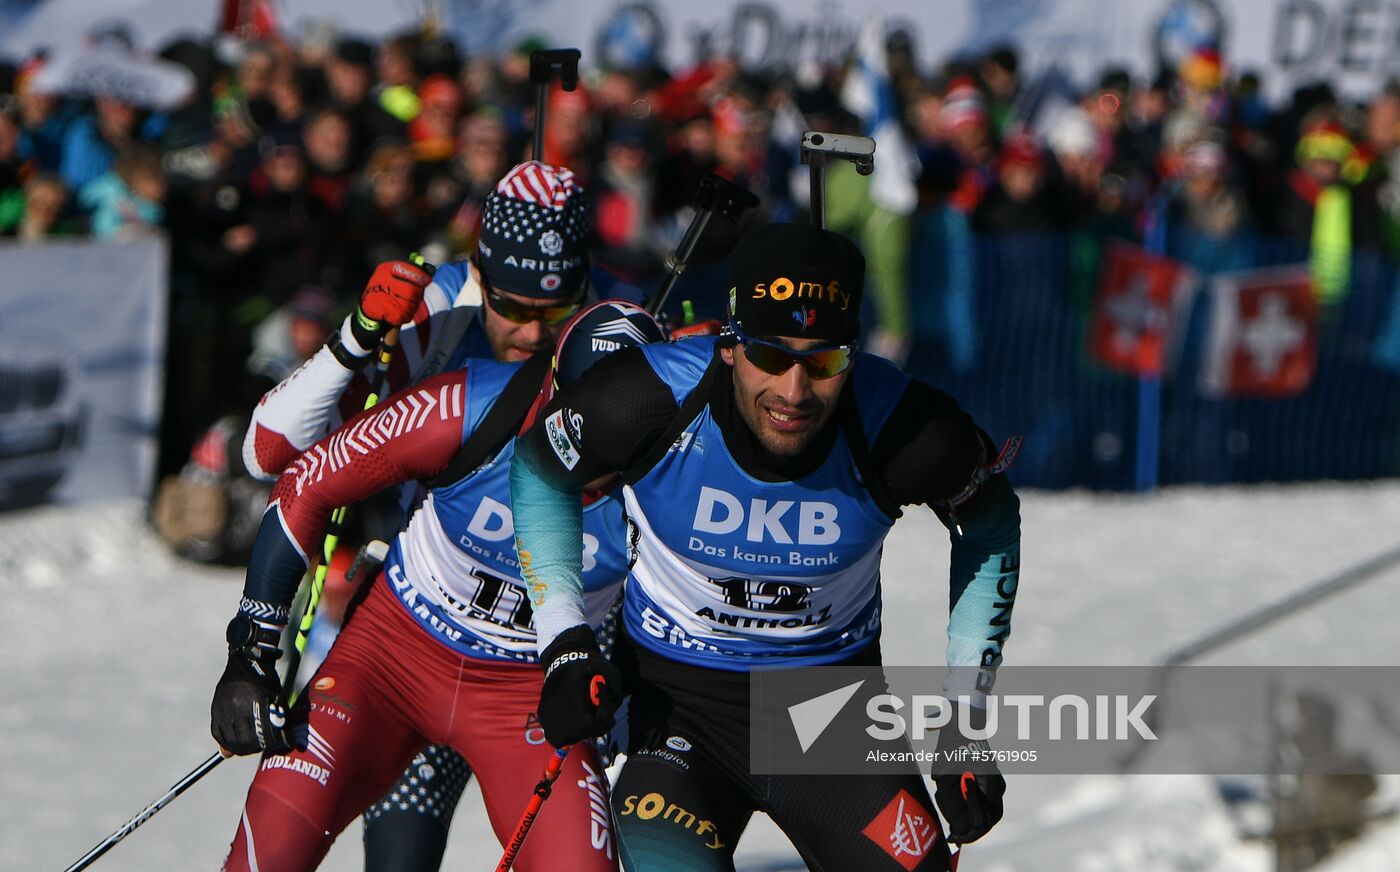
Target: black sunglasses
x,y
522,313
775,359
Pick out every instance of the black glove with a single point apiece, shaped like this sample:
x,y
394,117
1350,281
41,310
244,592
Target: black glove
x,y
968,784
582,689
249,713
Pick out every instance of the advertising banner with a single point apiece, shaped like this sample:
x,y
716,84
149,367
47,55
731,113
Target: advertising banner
x,y
1288,42
82,355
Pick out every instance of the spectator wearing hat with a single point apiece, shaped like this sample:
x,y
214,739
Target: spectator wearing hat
x,y
397,93
42,210
43,120
433,132
256,72
1207,202
1202,77
455,192
91,143
289,336
999,72
1126,152
623,192
963,116
1019,201
687,154
1150,107
1316,206
290,228
1322,150
1078,164
349,80
1208,213
740,155
382,220
570,134
326,142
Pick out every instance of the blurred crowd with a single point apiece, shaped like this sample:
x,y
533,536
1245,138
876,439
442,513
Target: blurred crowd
x,y
296,166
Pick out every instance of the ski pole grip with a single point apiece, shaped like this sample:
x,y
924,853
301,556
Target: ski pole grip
x,y
546,63
725,197
595,689
368,561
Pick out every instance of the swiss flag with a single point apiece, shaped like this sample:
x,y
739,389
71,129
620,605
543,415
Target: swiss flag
x,y
1136,309
1263,334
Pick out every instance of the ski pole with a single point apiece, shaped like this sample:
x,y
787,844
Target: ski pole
x,y
542,790
148,812
387,346
716,194
371,555
818,148
543,67
373,551
333,532
532,808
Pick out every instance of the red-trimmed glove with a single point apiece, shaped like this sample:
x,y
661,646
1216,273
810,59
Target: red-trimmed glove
x,y
394,293
968,787
582,689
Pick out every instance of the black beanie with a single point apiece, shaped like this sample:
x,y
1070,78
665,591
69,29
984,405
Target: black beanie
x,y
534,233
796,280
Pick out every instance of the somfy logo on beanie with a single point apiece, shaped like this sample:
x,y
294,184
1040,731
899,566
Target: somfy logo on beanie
x,y
796,280
784,288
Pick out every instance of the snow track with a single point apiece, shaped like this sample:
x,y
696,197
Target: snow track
x,y
111,648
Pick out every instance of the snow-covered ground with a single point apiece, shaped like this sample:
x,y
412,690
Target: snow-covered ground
x,y
110,650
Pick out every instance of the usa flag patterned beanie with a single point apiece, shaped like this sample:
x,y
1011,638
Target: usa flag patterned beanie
x,y
534,233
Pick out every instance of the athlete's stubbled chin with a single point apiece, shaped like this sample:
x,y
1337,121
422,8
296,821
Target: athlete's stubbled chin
x,y
515,353
787,443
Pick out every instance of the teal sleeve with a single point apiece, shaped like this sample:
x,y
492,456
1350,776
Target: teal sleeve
x,y
548,543
985,571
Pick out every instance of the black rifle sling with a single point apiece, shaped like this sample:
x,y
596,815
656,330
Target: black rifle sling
x,y
501,423
689,410
860,451
700,396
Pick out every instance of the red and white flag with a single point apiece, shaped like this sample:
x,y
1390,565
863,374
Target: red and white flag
x,y
1137,309
1263,334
